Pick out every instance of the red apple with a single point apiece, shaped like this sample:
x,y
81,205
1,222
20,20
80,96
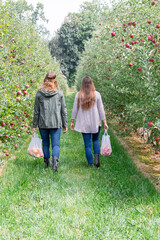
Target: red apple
x,y
157,139
19,93
153,3
139,69
130,64
150,124
124,24
15,146
149,37
132,35
18,99
7,154
158,26
113,34
18,135
122,39
151,60
149,21
1,46
27,86
3,124
127,45
25,92
156,152
21,62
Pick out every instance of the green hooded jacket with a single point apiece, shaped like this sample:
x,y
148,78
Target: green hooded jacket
x,y
50,110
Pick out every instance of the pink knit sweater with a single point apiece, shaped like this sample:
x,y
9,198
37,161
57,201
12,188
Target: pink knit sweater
x,y
88,121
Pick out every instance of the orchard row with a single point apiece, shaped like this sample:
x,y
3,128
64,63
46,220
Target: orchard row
x,y
123,59
24,60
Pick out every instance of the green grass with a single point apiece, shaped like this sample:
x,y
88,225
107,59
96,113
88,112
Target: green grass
x,y
112,202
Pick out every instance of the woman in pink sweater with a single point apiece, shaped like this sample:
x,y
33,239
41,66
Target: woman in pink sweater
x,y
89,112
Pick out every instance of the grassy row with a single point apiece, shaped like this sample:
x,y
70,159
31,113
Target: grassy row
x,y
112,202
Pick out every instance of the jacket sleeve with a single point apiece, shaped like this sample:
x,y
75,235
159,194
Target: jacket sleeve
x,y
36,112
100,108
63,112
75,107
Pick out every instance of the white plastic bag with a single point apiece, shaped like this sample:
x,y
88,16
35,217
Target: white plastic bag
x,y
35,147
106,144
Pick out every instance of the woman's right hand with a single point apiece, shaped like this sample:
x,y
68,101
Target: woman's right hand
x,y
106,126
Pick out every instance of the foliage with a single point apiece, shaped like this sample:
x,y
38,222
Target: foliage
x,y
24,62
123,60
69,40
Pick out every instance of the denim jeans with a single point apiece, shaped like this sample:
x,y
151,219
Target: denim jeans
x,y
55,135
88,144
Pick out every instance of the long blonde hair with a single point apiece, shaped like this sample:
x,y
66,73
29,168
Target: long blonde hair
x,y
50,82
86,95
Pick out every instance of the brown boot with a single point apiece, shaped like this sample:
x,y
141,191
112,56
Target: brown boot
x,y
47,162
54,163
96,158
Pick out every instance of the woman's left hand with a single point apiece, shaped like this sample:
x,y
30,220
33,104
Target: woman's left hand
x,y
34,130
64,130
72,126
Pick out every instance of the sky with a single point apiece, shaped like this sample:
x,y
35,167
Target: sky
x,y
56,10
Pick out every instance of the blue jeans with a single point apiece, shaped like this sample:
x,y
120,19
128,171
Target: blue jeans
x,y
55,135
88,144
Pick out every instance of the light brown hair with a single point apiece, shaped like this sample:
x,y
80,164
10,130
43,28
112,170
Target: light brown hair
x,y
86,95
50,82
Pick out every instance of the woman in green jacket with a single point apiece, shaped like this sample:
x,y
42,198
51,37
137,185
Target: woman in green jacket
x,y
50,115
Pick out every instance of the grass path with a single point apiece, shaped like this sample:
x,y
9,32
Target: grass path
x,y
114,202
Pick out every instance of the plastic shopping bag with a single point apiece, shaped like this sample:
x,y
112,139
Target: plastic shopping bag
x,y
106,145
35,147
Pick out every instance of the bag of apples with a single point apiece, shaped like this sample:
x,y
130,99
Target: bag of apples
x,y
106,144
35,147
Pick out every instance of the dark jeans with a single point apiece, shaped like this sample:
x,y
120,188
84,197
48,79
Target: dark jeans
x,y
55,135
88,144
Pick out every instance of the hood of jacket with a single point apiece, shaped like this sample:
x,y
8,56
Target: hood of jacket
x,y
47,93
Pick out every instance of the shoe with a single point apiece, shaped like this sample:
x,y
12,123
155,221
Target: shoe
x,y
91,165
97,163
47,162
54,163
